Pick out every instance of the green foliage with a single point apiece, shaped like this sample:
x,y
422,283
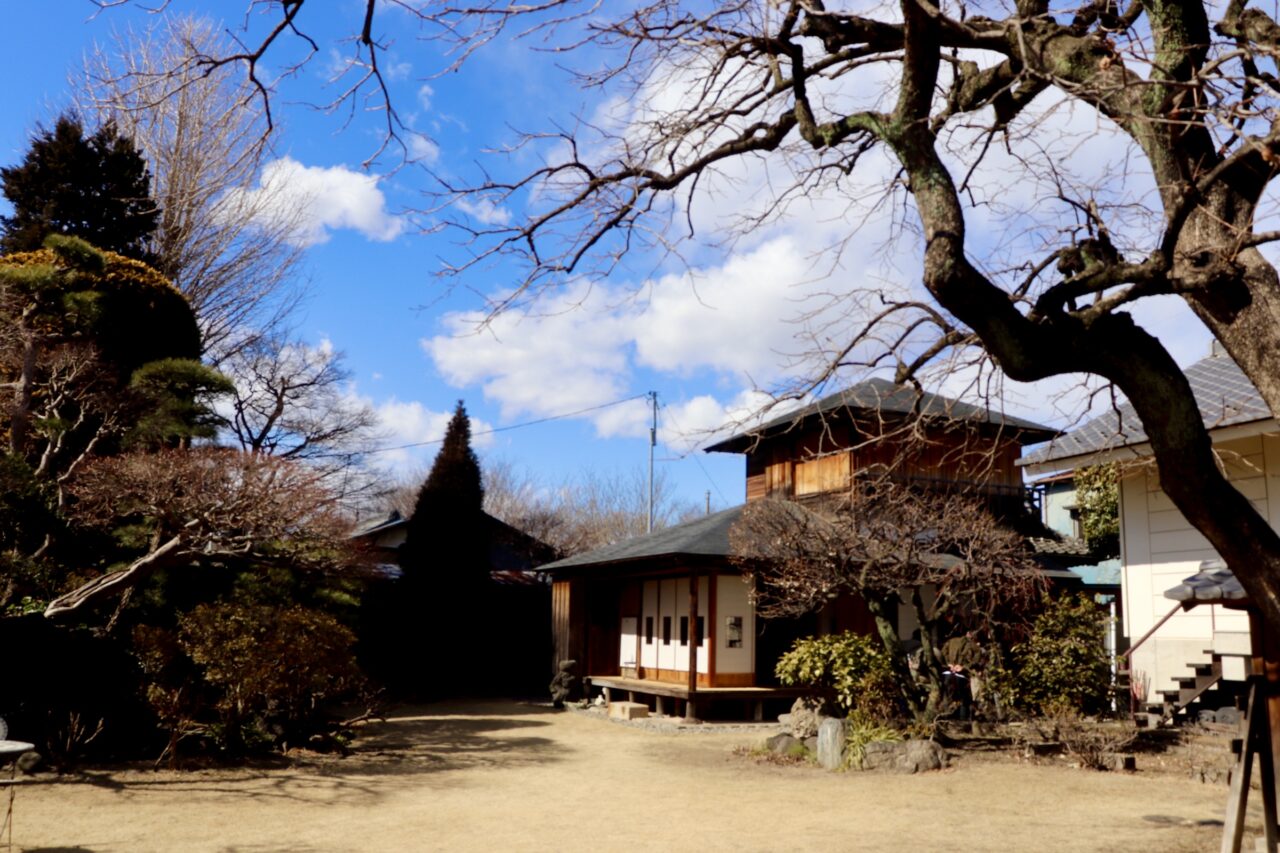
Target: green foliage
x,y
1063,664
862,729
96,187
851,667
177,399
1098,500
246,675
76,253
446,538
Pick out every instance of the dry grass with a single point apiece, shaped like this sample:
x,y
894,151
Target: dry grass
x,y
504,777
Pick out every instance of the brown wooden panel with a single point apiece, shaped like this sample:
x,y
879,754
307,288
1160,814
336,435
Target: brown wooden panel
x,y
828,473
756,487
672,676
735,679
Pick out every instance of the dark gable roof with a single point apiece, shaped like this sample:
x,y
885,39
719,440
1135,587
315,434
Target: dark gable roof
x,y
884,397
702,537
1223,393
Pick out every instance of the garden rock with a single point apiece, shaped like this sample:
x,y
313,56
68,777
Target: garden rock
x,y
811,744
781,743
805,716
830,748
29,762
912,756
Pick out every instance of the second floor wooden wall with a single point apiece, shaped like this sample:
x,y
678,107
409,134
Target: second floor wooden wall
x,y
819,458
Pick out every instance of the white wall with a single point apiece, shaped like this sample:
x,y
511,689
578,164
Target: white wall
x,y
1160,548
665,602
731,600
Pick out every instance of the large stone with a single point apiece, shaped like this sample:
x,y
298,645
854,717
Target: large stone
x,y
628,710
781,743
912,756
831,733
805,715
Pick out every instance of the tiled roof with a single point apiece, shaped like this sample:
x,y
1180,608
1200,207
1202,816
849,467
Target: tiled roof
x,y
707,536
1068,546
884,397
1213,583
1223,393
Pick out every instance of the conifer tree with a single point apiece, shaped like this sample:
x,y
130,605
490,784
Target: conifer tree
x,y
95,187
445,560
445,542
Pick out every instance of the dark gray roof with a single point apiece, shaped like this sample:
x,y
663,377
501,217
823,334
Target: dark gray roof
x,y
1214,583
1223,393
704,537
1067,546
884,397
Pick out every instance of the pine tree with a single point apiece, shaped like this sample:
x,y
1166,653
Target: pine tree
x,y
446,540
95,187
446,562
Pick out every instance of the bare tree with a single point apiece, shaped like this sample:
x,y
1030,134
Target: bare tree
x,y
206,506
294,401
942,553
936,90
230,246
588,510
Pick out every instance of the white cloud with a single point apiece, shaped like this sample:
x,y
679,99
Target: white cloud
x,y
425,94
320,200
409,422
484,211
563,358
421,148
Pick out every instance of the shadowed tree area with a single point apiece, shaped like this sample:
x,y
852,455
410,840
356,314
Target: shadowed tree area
x,y
94,187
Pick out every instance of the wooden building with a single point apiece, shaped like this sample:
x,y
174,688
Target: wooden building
x,y
668,615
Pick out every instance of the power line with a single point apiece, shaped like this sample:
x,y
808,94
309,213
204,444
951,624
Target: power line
x,y
695,458
547,419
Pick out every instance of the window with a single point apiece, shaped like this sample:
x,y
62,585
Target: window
x,y
684,630
733,632
648,630
666,630
702,630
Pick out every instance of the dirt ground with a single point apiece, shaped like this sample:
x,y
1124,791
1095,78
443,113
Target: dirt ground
x,y
513,777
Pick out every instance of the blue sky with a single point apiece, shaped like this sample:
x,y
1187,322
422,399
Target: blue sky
x,y
703,338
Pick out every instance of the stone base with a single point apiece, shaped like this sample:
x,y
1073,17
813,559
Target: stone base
x,y
628,710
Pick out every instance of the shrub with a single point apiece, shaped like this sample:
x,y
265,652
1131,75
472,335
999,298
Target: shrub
x,y
1063,663
246,675
852,668
864,729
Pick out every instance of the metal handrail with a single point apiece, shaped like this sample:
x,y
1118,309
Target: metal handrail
x,y
1127,654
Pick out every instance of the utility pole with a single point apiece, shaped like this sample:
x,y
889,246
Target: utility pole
x,y
708,502
653,442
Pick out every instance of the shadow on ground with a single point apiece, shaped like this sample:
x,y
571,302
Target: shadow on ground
x,y
411,742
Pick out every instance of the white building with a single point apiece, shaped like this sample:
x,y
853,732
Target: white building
x,y
1159,548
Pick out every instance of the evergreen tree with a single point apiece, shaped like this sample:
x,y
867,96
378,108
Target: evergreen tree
x,y
445,559
446,541
95,187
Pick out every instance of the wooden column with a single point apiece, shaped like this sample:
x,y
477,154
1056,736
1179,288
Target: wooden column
x,y
711,629
690,706
1266,665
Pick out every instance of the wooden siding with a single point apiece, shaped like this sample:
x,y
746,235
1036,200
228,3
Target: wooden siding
x,y
567,619
1160,548
818,459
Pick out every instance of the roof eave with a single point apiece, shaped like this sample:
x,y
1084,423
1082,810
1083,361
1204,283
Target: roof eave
x,y
1126,452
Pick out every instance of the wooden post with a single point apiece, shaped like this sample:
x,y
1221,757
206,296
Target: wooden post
x,y
712,594
690,705
1266,665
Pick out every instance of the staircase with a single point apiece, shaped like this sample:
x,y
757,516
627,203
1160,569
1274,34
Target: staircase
x,y
1204,689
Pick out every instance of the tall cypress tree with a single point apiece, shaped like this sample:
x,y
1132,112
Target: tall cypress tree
x,y
95,187
445,559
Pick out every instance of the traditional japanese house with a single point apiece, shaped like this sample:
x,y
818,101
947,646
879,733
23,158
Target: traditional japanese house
x,y
668,615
